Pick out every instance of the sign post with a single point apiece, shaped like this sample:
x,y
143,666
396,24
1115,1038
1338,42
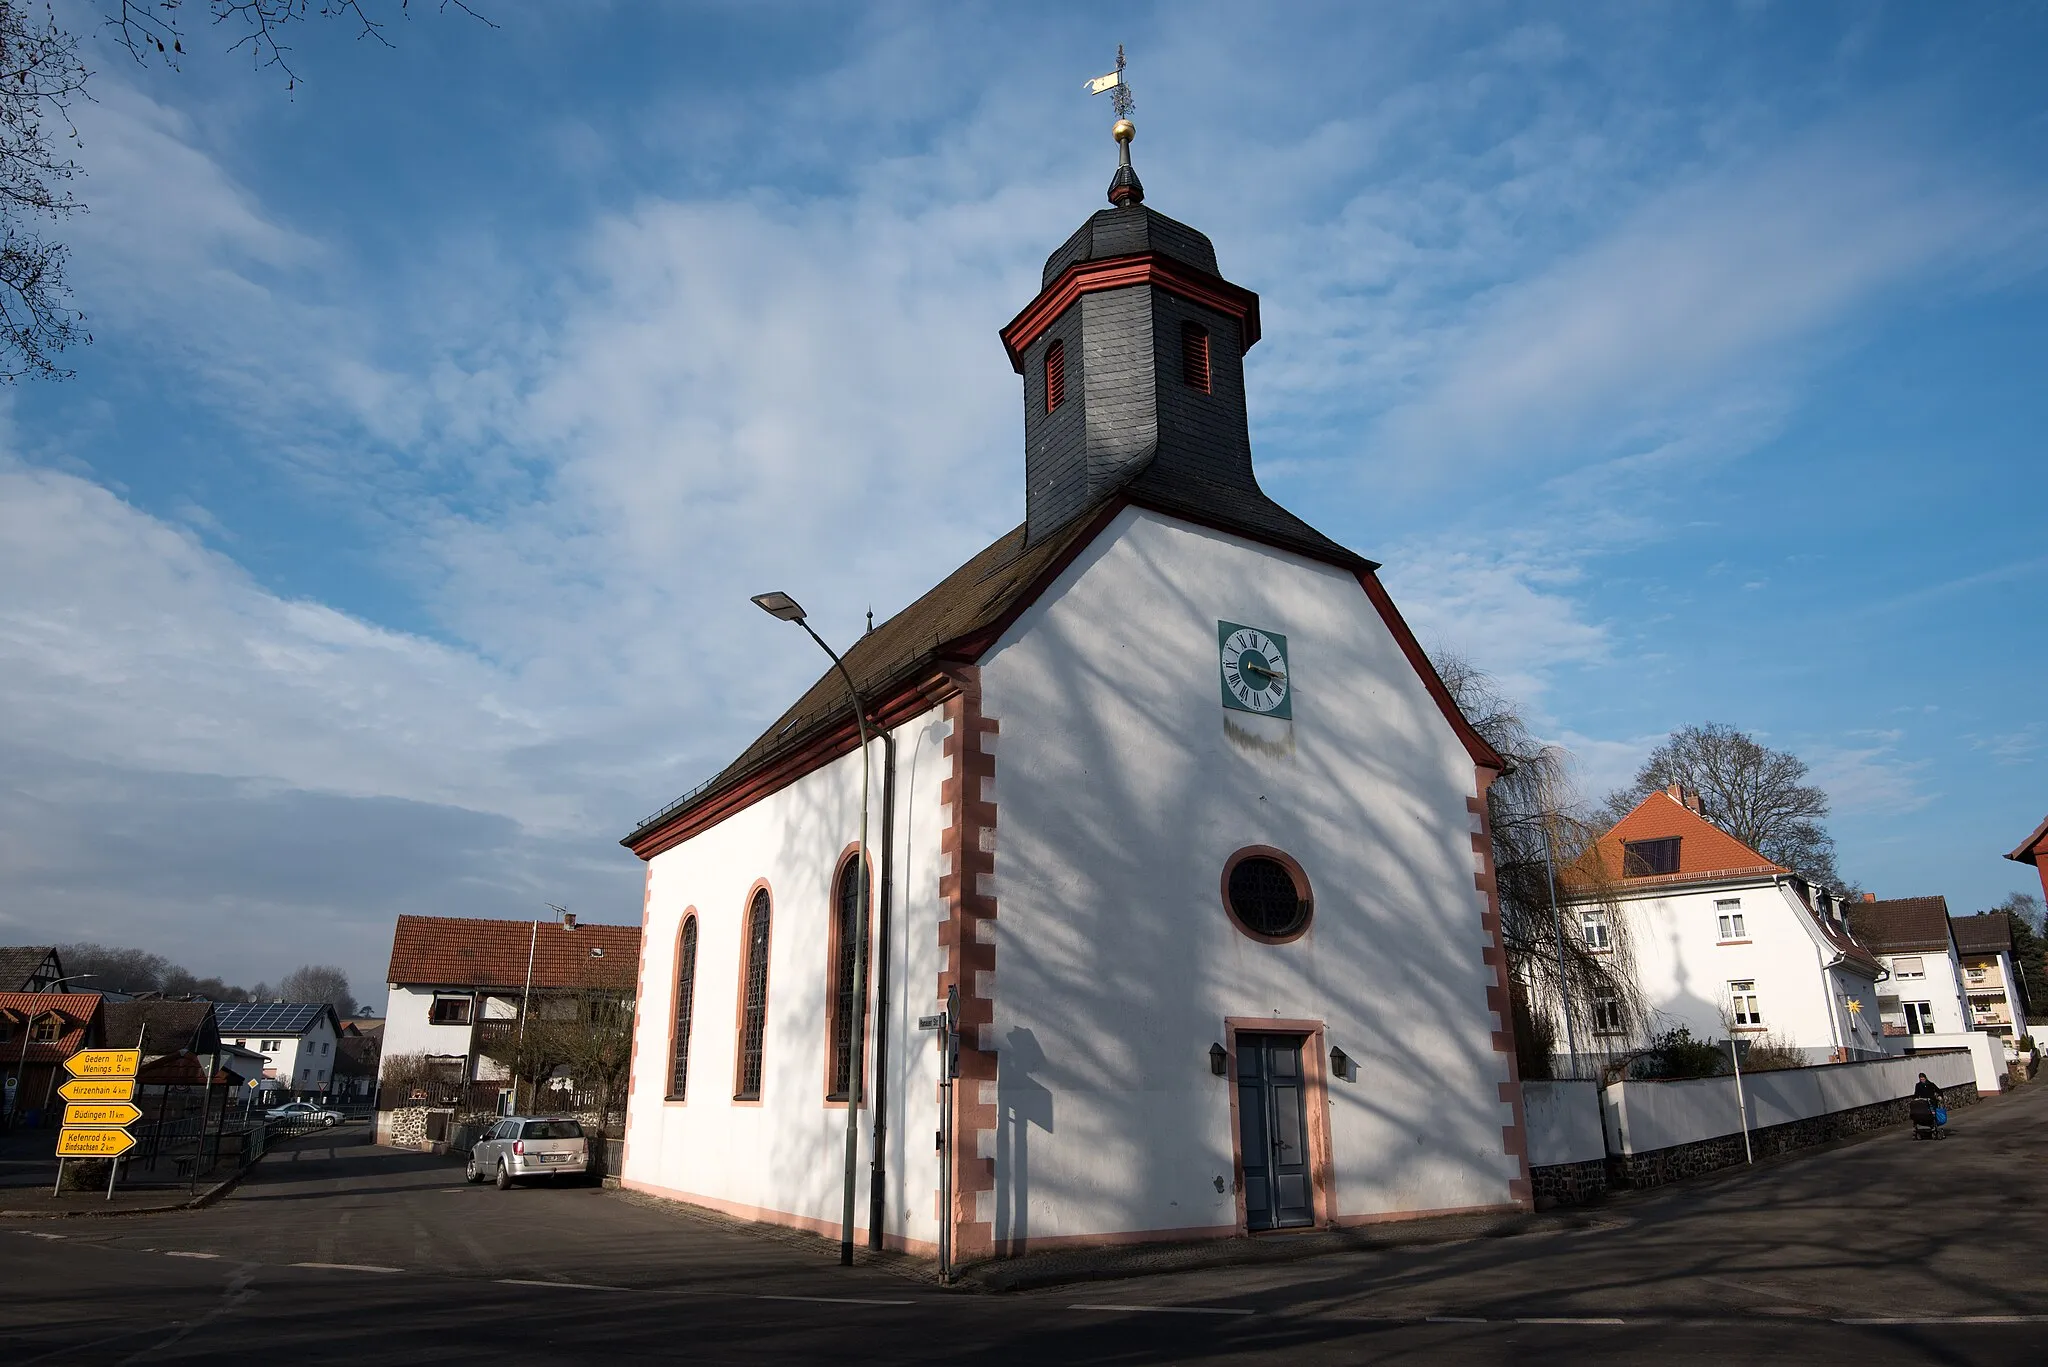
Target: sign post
x,y
99,1108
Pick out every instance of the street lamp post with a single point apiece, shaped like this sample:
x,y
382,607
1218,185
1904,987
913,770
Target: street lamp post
x,y
781,605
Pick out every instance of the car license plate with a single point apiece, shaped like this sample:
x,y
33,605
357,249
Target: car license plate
x,y
554,1158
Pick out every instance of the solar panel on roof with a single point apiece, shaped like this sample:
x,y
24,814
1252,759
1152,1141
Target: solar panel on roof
x,y
284,1018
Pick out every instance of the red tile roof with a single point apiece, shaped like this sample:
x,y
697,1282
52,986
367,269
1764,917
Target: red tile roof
x,y
457,951
79,1011
1704,849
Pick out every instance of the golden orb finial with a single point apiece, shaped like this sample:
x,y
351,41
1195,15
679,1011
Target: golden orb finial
x,y
1123,131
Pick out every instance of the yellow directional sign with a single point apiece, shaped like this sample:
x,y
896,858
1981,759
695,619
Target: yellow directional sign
x,y
93,1143
89,1113
104,1063
98,1089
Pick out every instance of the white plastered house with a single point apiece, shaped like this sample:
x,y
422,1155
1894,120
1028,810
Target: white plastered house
x,y
296,1040
1726,944
1166,798
1912,938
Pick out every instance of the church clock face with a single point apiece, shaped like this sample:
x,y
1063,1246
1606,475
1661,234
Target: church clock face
x,y
1253,664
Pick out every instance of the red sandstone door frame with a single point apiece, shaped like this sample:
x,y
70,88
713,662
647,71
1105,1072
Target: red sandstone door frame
x,y
1315,1078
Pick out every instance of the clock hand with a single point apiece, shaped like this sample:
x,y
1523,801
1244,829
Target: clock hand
x,y
1261,669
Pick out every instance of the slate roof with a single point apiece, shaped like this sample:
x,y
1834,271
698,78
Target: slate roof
x,y
80,1012
1987,933
270,1018
166,1027
981,594
474,952
1901,923
20,963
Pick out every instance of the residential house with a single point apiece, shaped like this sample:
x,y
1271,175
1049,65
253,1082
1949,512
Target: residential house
x,y
1996,990
1168,807
356,1055
296,1040
38,1032
1912,938
183,1054
29,968
1724,942
454,979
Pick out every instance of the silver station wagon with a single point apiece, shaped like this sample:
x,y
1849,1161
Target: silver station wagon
x,y
521,1147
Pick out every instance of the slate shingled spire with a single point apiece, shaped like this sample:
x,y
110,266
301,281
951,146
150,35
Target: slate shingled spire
x,y
1133,363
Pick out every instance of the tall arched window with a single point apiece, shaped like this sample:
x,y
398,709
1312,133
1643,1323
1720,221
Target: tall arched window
x,y
1055,375
848,926
1194,356
686,999
753,1001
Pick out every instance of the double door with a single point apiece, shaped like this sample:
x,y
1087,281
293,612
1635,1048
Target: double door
x,y
1272,1122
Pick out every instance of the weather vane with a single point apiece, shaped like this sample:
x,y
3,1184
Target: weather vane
x,y
1119,89
1124,190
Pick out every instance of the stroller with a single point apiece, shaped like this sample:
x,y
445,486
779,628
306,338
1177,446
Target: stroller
x,y
1930,1119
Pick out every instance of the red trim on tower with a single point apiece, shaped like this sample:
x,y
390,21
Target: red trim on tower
x,y
1482,754
1121,272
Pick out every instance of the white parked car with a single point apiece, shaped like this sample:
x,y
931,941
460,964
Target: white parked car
x,y
522,1146
303,1113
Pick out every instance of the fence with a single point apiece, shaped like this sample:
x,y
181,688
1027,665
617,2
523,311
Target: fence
x,y
1584,1138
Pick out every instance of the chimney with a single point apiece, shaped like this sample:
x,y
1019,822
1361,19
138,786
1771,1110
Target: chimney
x,y
568,920
1870,897
1694,801
1675,791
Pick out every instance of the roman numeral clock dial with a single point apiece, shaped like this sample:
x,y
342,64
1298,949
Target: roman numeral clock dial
x,y
1254,669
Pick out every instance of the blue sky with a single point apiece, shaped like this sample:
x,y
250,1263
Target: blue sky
x,y
390,551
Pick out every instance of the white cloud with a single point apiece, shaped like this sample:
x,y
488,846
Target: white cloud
x,y
1871,778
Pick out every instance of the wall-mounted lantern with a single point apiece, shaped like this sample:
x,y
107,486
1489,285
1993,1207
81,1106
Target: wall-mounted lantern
x,y
1340,1062
1219,1060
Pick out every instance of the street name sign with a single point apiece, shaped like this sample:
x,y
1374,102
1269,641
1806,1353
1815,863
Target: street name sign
x,y
98,1089
91,1113
94,1144
104,1063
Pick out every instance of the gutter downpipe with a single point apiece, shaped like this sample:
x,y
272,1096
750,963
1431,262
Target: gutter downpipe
x,y
879,1181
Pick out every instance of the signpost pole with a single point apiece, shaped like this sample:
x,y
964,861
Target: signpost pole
x,y
114,1167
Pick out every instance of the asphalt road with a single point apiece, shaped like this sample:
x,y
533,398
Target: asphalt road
x,y
1881,1251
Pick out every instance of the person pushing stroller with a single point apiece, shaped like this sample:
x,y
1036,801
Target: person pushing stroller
x,y
1930,1116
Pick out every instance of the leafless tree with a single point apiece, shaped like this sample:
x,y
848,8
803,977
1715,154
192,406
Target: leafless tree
x,y
1548,887
318,983
585,1033
153,30
1756,794
41,77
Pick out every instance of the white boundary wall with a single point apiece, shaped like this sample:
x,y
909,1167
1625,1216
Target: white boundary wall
x,y
1644,1116
1564,1122
1987,1052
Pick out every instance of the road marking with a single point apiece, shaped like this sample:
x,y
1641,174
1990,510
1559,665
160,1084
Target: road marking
x,y
1947,1319
1570,1319
175,1253
38,1234
1167,1309
828,1300
349,1267
573,1286
1454,1319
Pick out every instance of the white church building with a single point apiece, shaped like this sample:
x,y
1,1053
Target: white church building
x,y
1167,801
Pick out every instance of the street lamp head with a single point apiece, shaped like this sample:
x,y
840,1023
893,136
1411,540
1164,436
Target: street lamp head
x,y
779,605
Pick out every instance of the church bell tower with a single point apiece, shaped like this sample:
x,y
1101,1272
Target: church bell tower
x,y
1133,363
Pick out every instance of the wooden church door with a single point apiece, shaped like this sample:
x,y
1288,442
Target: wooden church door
x,y
1272,1121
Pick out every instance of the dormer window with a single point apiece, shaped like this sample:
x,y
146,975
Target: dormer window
x,y
1642,858
1055,375
1194,356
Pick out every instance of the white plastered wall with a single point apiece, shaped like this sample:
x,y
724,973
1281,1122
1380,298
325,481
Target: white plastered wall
x,y
1122,785
409,1026
1683,968
783,1158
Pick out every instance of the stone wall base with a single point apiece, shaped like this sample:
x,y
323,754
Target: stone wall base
x,y
1571,1184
